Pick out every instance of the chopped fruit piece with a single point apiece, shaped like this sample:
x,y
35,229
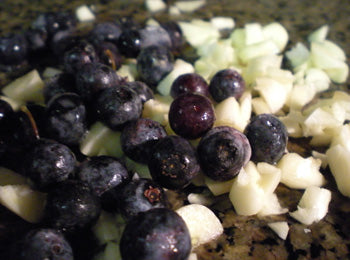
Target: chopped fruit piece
x,y
281,228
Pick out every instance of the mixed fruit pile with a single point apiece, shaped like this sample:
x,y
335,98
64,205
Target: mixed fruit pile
x,y
112,120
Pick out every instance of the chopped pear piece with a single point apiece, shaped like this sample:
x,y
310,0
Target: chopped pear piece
x,y
84,14
106,228
281,228
202,223
319,35
298,55
222,22
313,205
155,5
218,187
277,33
157,108
299,172
189,6
23,201
9,177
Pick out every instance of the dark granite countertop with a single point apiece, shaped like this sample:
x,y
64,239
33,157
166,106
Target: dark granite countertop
x,y
245,237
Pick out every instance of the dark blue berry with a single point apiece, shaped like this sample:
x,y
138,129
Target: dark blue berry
x,y
176,35
102,173
154,35
105,32
191,115
153,63
156,234
189,83
59,84
140,195
118,105
13,49
66,119
268,138
129,43
138,138
226,83
48,162
95,77
173,162
42,244
222,152
141,88
71,206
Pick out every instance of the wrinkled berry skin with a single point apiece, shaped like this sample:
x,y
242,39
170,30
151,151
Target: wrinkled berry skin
x,y
66,119
93,78
138,138
226,83
173,162
268,138
191,115
102,173
115,106
48,162
156,234
140,195
39,244
153,63
222,152
71,206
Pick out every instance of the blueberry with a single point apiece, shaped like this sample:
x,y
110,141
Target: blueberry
x,y
71,206
109,55
222,152
43,243
189,82
176,35
153,63
268,138
138,138
77,57
13,49
6,115
37,39
105,31
118,105
48,162
173,162
141,88
140,195
154,35
226,83
191,115
95,77
59,84
156,234
63,41
129,42
102,173
66,119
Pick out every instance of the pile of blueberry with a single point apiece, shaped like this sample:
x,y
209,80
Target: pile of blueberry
x,y
46,138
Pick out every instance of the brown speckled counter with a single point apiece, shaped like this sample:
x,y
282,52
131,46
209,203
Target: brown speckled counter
x,y
244,237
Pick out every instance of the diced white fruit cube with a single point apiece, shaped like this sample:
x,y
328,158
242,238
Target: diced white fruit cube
x,y
281,228
23,201
270,177
101,140
204,226
106,228
298,55
180,67
317,78
271,206
84,14
237,38
277,33
313,205
253,33
189,6
15,104
218,187
9,177
339,163
128,71
299,172
300,95
222,22
319,35
155,5
260,106
28,88
157,108
259,49
292,122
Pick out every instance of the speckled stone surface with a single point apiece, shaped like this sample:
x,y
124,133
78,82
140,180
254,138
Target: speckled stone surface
x,y
244,237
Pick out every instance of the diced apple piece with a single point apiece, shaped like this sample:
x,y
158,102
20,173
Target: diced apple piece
x,y
292,122
270,177
277,33
49,72
202,223
259,106
189,6
101,140
313,205
198,34
112,251
281,228
218,187
339,163
237,38
253,33
223,23
342,137
28,88
23,201
322,157
128,71
319,35
154,6
106,229
340,74
204,198
193,256
180,67
252,51
300,95
141,169
299,172
15,104
9,177
298,55
318,79
157,109
271,206
84,14
228,112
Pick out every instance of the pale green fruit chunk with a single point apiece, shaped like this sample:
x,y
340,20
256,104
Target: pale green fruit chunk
x,y
9,177
281,228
